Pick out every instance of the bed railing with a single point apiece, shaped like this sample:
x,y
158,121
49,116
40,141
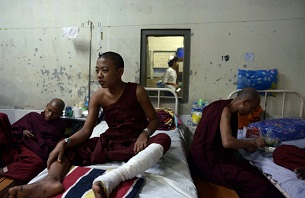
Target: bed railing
x,y
159,96
268,93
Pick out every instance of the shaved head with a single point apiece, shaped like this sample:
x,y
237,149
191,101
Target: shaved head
x,y
249,93
54,109
59,103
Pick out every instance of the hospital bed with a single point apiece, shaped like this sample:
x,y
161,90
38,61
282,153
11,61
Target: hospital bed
x,y
170,177
279,106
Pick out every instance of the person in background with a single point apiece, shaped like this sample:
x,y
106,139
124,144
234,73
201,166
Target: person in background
x,y
291,157
131,119
170,76
214,150
25,145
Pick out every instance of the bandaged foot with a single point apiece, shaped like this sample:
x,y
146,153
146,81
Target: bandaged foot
x,y
136,165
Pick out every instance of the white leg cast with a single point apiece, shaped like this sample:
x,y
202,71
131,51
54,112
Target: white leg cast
x,y
136,165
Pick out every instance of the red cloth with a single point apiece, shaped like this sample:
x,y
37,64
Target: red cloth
x,y
126,121
214,163
25,158
47,133
24,165
78,183
289,156
251,117
5,130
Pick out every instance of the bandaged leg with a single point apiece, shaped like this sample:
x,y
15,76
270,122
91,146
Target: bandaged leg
x,y
136,165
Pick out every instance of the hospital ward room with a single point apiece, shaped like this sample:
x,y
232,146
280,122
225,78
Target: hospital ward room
x,y
154,99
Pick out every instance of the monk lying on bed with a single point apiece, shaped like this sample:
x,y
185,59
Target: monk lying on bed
x,y
131,119
25,146
291,157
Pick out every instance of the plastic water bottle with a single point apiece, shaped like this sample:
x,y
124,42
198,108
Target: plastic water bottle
x,y
195,114
194,108
201,105
86,103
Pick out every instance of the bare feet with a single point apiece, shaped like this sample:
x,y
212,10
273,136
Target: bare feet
x,y
300,172
99,189
48,187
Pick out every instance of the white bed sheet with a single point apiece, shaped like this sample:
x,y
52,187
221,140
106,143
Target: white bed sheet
x,y
284,179
170,177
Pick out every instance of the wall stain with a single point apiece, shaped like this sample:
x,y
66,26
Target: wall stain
x,y
79,75
82,91
56,74
47,72
62,89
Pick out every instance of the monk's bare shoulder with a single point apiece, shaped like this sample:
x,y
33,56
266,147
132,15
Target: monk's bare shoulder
x,y
99,97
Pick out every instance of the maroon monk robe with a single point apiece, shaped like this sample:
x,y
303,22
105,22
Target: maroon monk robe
x,y
289,156
47,133
25,158
7,146
126,121
214,163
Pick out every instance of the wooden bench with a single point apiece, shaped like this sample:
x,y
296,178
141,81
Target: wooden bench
x,y
209,190
5,184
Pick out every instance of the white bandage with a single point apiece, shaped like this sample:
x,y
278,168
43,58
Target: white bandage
x,y
136,165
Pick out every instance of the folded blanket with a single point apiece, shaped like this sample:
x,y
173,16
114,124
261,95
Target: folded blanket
x,y
78,183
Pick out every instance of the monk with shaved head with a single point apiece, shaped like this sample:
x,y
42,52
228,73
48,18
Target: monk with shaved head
x,y
213,153
26,145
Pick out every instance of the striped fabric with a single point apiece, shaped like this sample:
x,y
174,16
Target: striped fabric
x,y
79,180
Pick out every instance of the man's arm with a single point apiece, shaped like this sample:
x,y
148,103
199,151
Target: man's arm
x,y
85,132
230,142
152,116
148,108
23,126
80,136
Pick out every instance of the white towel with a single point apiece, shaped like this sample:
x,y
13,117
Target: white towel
x,y
70,32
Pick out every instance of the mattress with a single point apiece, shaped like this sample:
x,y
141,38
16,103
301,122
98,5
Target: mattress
x,y
284,179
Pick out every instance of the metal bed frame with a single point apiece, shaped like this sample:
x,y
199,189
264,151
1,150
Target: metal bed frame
x,y
268,93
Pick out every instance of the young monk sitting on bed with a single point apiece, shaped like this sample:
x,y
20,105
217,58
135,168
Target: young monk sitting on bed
x,y
213,151
131,119
291,157
25,146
